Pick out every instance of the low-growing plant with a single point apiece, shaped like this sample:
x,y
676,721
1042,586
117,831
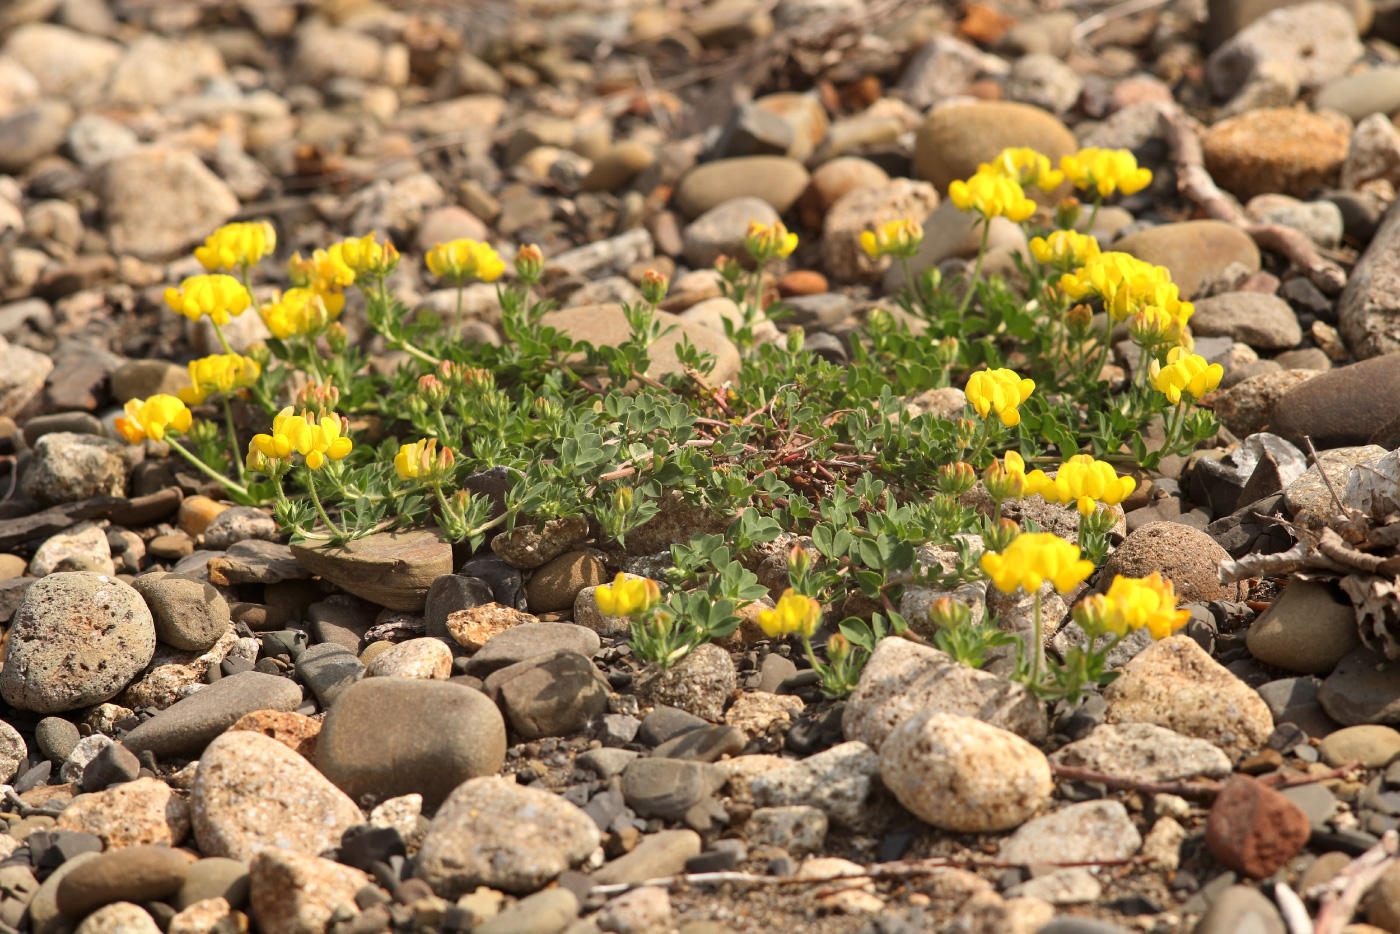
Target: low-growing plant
x,y
834,458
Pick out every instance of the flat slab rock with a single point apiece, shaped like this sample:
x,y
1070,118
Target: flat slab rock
x,y
393,569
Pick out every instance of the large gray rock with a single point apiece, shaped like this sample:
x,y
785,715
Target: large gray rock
x,y
185,728
493,832
1315,42
76,640
67,467
159,202
903,678
386,737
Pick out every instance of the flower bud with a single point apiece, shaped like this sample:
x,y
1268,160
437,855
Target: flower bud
x,y
956,479
837,648
260,354
654,286
529,263
337,338
1079,319
622,500
997,537
1067,213
799,561
965,429
1003,484
1092,615
796,338
729,269
930,280
947,613
432,390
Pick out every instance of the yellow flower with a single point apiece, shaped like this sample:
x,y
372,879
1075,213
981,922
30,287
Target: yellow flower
x,y
1026,166
301,311
897,238
1185,372
235,245
420,460
216,296
219,373
368,258
766,243
794,613
1126,284
992,196
153,418
1152,326
627,597
315,440
1033,558
999,392
1082,480
325,270
1144,602
1065,249
465,259
1006,479
1106,171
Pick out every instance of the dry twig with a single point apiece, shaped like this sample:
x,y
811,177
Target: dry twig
x,y
1340,896
1196,184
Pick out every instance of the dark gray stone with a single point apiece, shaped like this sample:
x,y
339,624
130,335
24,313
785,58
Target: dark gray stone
x,y
530,640
505,580
328,669
663,723
112,766
342,621
553,695
668,788
186,727
56,738
448,594
190,614
707,744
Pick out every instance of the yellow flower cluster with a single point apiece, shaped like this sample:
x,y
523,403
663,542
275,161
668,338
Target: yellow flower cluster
x,y
219,373
1031,559
153,418
1133,603
214,296
324,271
420,460
1084,481
1127,286
315,440
998,392
237,245
627,597
301,311
464,259
1026,166
368,257
896,238
1185,373
1006,479
1066,249
766,243
794,613
1106,171
991,196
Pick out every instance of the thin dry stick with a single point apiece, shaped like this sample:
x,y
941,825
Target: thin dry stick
x,y
1199,791
1343,893
1196,184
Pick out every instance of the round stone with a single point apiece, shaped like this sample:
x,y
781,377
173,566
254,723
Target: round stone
x,y
1281,150
387,737
1307,629
67,467
1371,744
426,658
961,774
1190,557
251,792
76,640
777,180
56,738
119,918
699,684
555,585
1194,252
955,139
136,873
189,613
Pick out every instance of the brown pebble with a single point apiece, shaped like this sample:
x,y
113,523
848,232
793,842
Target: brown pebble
x,y
1265,761
802,282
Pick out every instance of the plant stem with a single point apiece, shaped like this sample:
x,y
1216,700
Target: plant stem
x,y
457,321
913,286
233,437
1039,647
1093,215
976,267
204,468
219,333
442,428
320,509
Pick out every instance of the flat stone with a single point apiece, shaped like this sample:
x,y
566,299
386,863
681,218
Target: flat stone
x,y
526,546
387,737
558,694
959,773
255,562
185,728
393,569
551,910
1087,832
668,788
840,780
1264,322
493,832
329,669
135,874
1335,409
659,854
1373,745
1363,688
1254,829
902,678
473,628
158,202
252,793
530,640
1193,251
777,180
1308,629
1144,752
1241,908
1308,500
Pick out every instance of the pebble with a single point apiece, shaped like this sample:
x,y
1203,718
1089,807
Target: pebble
x,y
252,793
328,669
902,678
490,831
392,569
1254,829
136,874
835,178
208,916
799,829
1333,412
387,737
955,139
962,774
1241,908
296,893
777,180
473,628
1276,150
658,854
865,209
668,788
145,811
83,547
1308,500
1188,556
56,738
530,640
1362,689
1264,322
1374,746
557,582
239,524
449,594
66,467
295,731
213,877
119,918
75,640
428,659
185,728
720,230
1315,42
160,201
1087,832
1043,81
550,695
1176,685
699,684
528,547
1195,252
1073,886
1144,752
189,614
1306,629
